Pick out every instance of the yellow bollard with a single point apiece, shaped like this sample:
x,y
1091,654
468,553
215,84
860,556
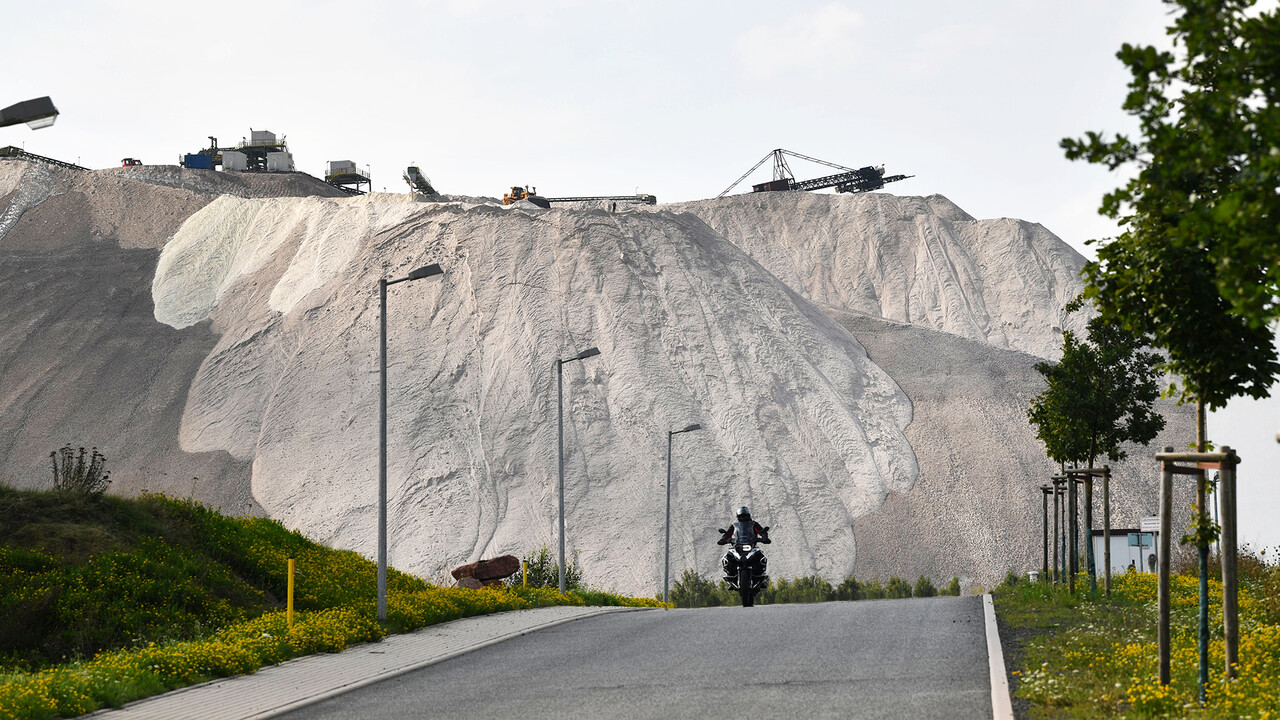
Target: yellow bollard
x,y
524,566
293,564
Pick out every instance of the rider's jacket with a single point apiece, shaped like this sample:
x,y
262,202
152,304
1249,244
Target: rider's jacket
x,y
744,532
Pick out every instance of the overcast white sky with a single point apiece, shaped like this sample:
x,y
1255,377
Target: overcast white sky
x,y
676,99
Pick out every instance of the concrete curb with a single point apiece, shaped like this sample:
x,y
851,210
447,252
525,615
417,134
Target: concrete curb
x,y
279,689
1001,705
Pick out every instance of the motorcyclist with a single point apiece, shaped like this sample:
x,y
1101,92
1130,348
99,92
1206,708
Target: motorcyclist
x,y
745,528
744,531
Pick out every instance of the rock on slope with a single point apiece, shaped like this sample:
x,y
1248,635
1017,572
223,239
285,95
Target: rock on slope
x,y
797,420
916,260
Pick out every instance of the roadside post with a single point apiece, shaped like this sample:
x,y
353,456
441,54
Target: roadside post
x,y
1044,501
1225,463
1057,530
293,565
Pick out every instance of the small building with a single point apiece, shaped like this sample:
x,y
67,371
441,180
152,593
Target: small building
x,y
1130,548
279,162
345,174
234,160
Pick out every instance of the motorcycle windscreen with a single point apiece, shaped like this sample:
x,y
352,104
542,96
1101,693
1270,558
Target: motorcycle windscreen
x,y
744,533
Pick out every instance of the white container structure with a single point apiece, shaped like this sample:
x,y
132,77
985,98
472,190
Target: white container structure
x,y
279,162
234,161
335,167
1129,548
262,137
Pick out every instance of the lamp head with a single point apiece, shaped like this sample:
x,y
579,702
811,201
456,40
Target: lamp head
x,y
37,113
589,352
426,272
691,428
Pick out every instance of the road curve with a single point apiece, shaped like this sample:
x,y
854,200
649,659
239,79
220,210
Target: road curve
x,y
922,658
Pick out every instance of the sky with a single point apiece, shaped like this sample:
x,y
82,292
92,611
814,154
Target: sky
x,y
608,97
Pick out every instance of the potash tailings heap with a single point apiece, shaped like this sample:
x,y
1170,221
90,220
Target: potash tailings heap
x,y
860,366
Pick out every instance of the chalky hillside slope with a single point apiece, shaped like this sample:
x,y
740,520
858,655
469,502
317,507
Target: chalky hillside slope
x,y
224,327
82,358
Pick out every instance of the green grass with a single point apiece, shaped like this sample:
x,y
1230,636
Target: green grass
x,y
1090,656
104,599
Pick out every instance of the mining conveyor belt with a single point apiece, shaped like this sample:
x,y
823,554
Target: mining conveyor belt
x,y
646,199
17,152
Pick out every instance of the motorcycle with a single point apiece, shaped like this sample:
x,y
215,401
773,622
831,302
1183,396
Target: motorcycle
x,y
744,564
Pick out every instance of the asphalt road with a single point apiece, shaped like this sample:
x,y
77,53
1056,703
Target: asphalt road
x,y
922,658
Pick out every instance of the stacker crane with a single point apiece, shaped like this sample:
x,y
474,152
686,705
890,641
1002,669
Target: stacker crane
x,y
847,181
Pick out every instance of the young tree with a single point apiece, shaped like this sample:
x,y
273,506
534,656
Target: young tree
x,y
1196,266
1100,395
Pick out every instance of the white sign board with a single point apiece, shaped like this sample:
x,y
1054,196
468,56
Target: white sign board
x,y
1151,524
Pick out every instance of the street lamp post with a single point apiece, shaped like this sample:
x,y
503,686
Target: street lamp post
x,y
666,557
589,352
420,273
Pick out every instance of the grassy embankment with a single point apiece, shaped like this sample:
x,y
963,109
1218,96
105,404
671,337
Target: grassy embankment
x,y
1093,657
104,600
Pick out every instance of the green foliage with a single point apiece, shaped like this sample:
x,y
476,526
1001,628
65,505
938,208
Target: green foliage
x,y
1196,266
924,588
692,590
544,571
809,589
71,474
897,588
1093,656
1010,579
848,589
953,588
872,590
1099,395
80,574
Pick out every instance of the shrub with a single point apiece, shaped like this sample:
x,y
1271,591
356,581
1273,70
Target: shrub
x,y
71,474
807,589
871,590
544,571
953,588
848,589
897,588
693,591
924,587
1010,579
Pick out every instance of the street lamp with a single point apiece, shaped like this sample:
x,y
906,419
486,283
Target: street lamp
x,y
666,562
589,352
37,113
422,272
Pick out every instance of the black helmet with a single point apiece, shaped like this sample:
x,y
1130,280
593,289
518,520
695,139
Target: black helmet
x,y
744,513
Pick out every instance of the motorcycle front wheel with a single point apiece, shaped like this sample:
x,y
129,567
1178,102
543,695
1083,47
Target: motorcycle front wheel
x,y
744,585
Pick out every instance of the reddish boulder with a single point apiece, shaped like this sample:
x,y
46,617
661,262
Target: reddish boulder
x,y
488,570
470,582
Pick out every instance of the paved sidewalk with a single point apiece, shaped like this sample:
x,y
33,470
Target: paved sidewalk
x,y
288,686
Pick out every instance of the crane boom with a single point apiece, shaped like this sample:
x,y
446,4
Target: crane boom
x,y
848,180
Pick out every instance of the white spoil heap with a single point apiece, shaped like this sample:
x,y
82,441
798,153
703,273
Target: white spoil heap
x,y
799,423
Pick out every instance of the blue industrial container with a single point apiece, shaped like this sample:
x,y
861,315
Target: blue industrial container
x,y
199,162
